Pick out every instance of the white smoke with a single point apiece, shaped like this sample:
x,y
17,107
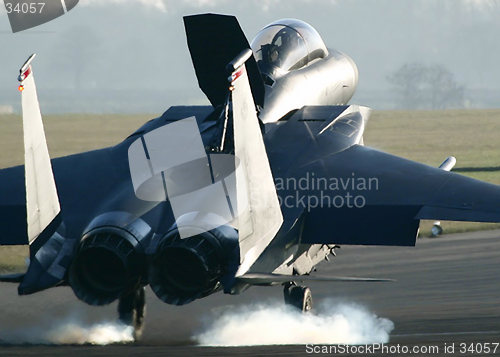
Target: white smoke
x,y
70,332
100,334
332,323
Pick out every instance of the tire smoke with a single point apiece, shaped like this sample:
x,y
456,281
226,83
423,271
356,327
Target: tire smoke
x,y
332,323
70,332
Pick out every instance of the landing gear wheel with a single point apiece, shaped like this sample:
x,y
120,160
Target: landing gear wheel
x,y
132,309
299,297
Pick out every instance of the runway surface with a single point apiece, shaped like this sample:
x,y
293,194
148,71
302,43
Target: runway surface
x,y
447,291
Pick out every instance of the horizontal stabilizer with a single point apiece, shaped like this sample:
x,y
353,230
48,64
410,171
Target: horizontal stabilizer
x,y
266,279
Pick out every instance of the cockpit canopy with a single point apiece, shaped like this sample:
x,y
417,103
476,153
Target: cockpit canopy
x,y
288,44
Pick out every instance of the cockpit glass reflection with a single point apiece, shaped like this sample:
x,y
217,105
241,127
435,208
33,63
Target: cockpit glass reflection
x,y
280,46
288,44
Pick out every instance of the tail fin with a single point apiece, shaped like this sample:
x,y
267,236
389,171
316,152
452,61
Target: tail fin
x,y
213,41
259,210
42,201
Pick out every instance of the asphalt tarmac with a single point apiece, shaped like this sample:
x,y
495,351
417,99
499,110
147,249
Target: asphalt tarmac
x,y
447,292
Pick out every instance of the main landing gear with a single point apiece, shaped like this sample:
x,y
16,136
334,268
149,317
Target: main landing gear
x,y
299,297
132,309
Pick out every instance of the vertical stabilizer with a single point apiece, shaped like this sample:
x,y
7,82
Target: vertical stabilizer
x,y
213,41
42,202
259,210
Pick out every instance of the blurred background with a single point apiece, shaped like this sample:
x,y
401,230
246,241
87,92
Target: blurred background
x,y
130,56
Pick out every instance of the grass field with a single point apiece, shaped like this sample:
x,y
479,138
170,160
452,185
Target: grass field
x,y
424,136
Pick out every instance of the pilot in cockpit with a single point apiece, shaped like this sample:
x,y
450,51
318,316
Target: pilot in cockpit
x,y
280,47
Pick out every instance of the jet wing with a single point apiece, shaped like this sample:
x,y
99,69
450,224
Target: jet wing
x,y
82,181
350,194
388,196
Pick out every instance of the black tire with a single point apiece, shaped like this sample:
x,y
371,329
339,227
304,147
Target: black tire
x,y
132,310
299,297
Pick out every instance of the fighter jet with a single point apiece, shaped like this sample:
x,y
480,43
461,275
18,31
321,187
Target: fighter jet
x,y
256,189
